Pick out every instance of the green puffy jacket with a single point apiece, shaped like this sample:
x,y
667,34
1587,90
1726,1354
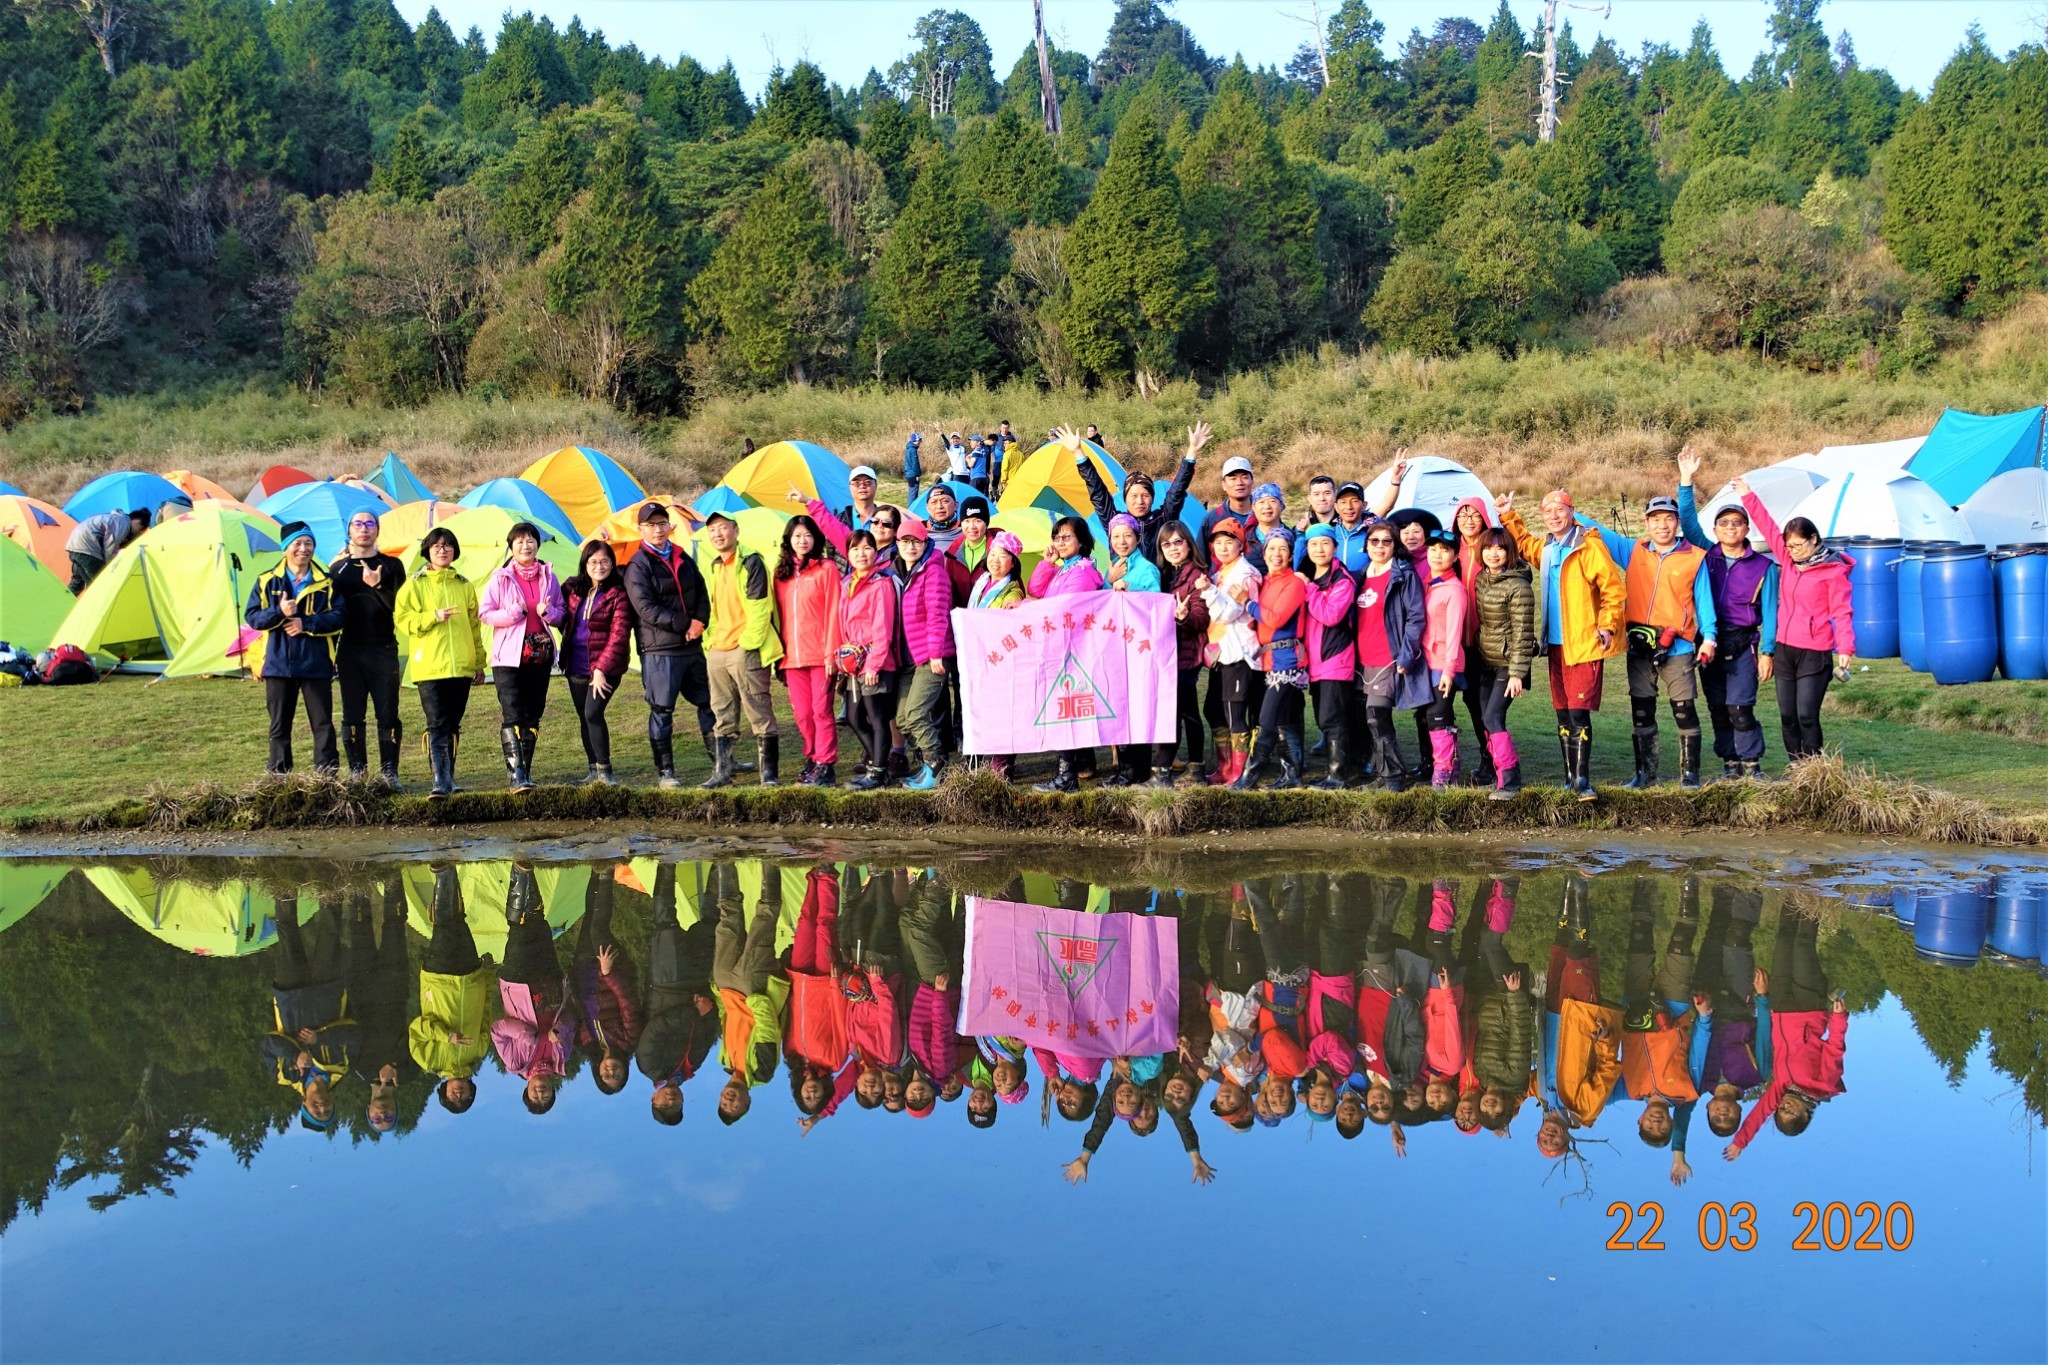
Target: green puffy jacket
x,y
1507,618
1504,1040
438,649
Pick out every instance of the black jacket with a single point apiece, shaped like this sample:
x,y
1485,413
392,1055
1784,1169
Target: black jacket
x,y
666,597
365,611
1163,511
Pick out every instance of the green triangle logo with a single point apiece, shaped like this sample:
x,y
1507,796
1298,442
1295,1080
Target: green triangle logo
x,y
1075,958
1073,698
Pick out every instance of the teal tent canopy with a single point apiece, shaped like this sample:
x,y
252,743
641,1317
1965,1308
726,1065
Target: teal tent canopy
x,y
1966,451
401,483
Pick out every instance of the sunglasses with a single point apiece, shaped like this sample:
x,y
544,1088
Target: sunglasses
x,y
880,525
1379,540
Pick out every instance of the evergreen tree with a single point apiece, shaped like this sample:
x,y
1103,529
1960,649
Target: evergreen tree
x,y
1136,282
892,134
928,300
1517,262
778,290
537,181
1601,174
228,92
1141,34
441,62
1730,182
407,170
1435,89
1730,123
721,104
1452,167
1014,169
1810,125
1254,222
309,34
951,73
525,74
799,108
1873,99
1416,307
1507,80
381,44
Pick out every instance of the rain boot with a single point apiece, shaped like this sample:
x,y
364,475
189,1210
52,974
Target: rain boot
x,y
924,779
768,757
355,746
665,764
825,775
1291,761
1507,766
508,741
1162,776
1423,750
1340,757
389,740
1221,774
1646,762
1582,766
601,775
1063,779
1731,769
1392,767
1752,770
1004,767
1570,756
1263,743
1689,759
721,763
1486,773
529,740
441,762
1443,748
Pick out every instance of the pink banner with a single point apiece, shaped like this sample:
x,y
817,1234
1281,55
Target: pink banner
x,y
1068,672
1083,985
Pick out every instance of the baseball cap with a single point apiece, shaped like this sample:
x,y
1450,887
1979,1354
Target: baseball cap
x,y
651,511
910,528
862,471
1352,490
1237,464
720,516
1229,526
1661,504
1320,528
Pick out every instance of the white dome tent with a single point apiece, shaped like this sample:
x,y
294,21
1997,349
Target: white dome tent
x,y
1870,458
2010,509
1884,504
1782,487
1435,484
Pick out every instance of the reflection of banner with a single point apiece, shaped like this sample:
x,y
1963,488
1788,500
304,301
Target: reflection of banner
x,y
1084,985
1068,672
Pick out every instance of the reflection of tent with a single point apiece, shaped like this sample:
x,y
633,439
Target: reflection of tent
x,y
1881,504
401,483
760,531
126,490
485,887
1048,478
402,527
275,480
234,919
527,501
1965,451
588,485
481,532
621,530
176,593
1780,487
763,478
25,885
961,493
39,528
325,506
33,603
1435,484
2011,509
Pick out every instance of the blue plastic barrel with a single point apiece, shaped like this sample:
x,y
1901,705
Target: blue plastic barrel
x,y
2022,572
1959,610
1905,901
1874,595
2019,903
1912,624
1950,923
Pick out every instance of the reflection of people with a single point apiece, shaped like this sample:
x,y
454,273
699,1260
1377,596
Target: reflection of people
x,y
1738,1048
1663,1045
538,1028
1809,1031
1582,1036
932,936
377,990
680,1021
608,1018
448,1038
870,978
310,1046
750,991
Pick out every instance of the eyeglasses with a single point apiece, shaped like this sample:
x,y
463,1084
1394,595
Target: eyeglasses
x,y
1379,540
362,521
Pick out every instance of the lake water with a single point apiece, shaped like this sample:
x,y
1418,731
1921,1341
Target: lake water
x,y
189,1177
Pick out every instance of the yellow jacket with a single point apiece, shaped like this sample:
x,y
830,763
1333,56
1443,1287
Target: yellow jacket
x,y
1592,592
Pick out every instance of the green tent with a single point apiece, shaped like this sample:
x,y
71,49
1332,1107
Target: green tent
x,y
24,886
485,887
33,604
234,919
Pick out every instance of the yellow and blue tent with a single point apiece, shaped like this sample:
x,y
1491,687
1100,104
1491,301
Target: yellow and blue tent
x,y
325,506
1047,478
400,529
481,532
763,478
587,485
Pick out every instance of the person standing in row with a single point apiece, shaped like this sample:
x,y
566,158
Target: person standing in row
x,y
1138,488
807,609
924,638
1332,641
437,611
1181,568
670,611
97,539
1446,606
1068,567
1279,609
522,603
1816,638
1497,663
1745,589
366,657
295,605
867,641
1671,631
741,647
597,635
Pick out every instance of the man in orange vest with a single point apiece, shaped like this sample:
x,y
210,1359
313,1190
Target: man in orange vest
x,y
1671,632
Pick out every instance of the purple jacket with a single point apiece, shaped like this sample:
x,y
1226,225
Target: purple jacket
x,y
926,622
503,609
1731,1055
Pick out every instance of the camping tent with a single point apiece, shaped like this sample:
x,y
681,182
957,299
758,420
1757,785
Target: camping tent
x,y
400,529
374,490
1781,488
39,528
401,483
621,530
526,501
1869,458
1435,484
717,498
198,487
1964,451
275,480
485,888
1884,503
1048,478
760,531
588,485
763,478
2011,509
325,506
234,919
172,600
125,490
24,886
8,490
481,532
33,601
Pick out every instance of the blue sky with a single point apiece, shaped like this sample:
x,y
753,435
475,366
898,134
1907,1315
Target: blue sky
x,y
1909,38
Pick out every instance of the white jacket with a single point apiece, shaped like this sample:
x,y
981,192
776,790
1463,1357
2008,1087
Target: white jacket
x,y
1231,627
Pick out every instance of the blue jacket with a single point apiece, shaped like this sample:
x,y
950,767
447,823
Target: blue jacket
x,y
911,467
1767,605
1350,544
1405,619
307,655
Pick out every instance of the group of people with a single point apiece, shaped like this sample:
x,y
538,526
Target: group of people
x,y
977,460
1354,607
1299,995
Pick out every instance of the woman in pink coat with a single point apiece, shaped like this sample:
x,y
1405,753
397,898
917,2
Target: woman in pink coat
x,y
1816,631
521,604
867,634
1446,604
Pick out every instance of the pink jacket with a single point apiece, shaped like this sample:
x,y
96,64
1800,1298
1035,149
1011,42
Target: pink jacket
x,y
932,1041
1806,1051
527,1044
1443,634
1813,598
1086,1070
1332,631
927,606
867,616
1053,579
503,609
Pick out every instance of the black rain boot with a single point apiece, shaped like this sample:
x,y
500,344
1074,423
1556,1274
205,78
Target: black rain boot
x,y
441,760
825,775
389,742
1582,766
355,746
1731,768
1393,772
1569,752
1063,779
1321,748
768,755
1752,770
1290,762
508,741
1161,776
721,763
1483,774
1263,744
1119,767
664,763
1509,784
1338,747
529,740
1689,759
1646,762
1420,771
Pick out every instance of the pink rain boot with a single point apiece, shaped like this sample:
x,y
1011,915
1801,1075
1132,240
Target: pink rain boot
x,y
1507,766
1443,747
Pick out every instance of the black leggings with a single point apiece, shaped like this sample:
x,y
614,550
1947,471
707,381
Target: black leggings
x,y
1234,697
872,712
522,694
1486,697
1440,714
1282,708
1802,676
1333,707
444,700
1798,982
590,708
1187,721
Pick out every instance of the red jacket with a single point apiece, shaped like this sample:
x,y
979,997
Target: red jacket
x,y
1806,1051
1191,634
611,626
808,605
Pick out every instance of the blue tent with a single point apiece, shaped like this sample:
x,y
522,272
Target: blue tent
x,y
960,489
719,498
8,490
125,490
1965,451
526,499
325,506
401,483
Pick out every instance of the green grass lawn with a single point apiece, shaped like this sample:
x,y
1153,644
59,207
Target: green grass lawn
x,y
65,751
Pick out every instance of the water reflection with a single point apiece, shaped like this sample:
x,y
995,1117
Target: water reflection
x,y
1543,1009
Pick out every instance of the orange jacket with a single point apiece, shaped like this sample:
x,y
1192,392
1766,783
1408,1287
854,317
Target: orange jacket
x,y
1661,588
1653,1063
1587,1067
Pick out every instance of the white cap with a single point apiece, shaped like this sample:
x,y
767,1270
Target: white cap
x,y
863,471
1237,464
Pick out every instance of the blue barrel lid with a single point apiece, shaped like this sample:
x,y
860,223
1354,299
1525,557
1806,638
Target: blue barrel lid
x,y
1920,546
1951,550
2031,547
